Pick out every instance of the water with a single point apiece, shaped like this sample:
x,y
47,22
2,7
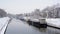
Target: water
x,y
20,27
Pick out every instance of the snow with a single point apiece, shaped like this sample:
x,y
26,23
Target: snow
x,y
53,22
3,24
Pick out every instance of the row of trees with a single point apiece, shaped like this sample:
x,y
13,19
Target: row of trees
x,y
53,11
48,12
2,13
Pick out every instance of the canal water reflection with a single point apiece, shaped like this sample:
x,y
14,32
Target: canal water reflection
x,y
20,27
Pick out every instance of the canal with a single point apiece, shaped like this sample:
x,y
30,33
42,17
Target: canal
x,y
21,27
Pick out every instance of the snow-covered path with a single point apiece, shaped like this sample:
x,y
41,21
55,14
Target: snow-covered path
x,y
53,22
3,24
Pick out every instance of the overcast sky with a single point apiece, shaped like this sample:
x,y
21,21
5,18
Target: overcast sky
x,y
25,6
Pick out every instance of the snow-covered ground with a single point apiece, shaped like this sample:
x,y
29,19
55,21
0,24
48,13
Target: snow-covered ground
x,y
53,22
3,24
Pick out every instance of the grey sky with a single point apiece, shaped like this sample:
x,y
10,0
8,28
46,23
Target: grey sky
x,y
25,6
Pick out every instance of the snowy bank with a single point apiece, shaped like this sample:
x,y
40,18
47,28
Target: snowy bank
x,y
3,24
53,22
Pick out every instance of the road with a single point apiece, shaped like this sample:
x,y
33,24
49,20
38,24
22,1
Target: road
x,y
20,27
